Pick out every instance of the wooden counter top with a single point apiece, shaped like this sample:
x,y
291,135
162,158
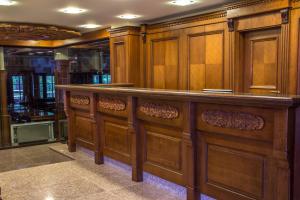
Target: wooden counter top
x,y
224,97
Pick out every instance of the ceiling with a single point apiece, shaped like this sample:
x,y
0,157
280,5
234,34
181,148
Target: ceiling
x,y
102,12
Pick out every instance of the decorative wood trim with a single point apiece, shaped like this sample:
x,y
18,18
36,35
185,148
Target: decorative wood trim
x,y
125,30
230,23
233,120
285,15
247,3
111,104
254,7
203,17
162,111
80,100
27,31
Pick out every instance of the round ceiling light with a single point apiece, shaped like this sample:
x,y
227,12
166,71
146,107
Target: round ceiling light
x,y
7,3
72,10
89,26
183,2
128,16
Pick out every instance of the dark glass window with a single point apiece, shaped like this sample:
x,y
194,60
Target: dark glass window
x,y
106,79
41,86
96,79
50,86
18,88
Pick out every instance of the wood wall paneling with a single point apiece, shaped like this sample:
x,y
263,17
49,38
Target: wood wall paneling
x,y
204,50
262,62
117,140
125,55
163,61
119,71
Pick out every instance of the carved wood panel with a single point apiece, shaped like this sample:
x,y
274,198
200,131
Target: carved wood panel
x,y
233,120
163,112
242,122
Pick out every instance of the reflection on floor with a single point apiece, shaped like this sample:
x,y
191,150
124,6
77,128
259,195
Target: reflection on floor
x,y
81,179
19,158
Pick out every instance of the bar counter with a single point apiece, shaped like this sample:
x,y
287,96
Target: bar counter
x,y
227,146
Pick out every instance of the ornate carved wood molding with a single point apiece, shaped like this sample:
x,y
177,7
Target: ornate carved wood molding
x,y
162,111
230,24
285,15
234,120
27,31
246,3
201,17
111,104
80,100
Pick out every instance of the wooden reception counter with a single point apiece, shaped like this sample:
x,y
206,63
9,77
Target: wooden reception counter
x,y
228,146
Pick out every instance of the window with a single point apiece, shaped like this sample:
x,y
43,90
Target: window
x,y
18,88
41,86
96,79
106,79
50,86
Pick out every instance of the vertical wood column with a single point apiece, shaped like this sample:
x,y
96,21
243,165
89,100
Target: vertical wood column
x,y
125,55
4,116
136,141
99,159
189,151
70,117
296,167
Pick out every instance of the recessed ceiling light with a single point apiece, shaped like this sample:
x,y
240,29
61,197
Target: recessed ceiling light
x,y
72,10
183,2
90,26
128,16
7,2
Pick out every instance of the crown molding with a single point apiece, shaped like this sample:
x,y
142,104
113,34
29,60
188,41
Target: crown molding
x,y
186,20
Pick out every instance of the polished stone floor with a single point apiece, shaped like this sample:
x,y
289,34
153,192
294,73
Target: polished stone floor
x,y
81,179
19,158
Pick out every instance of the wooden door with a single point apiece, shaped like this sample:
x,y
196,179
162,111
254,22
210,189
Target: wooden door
x,y
262,71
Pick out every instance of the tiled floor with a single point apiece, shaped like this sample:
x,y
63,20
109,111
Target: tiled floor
x,y
81,179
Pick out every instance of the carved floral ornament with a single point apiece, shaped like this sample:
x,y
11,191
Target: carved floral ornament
x,y
234,120
111,104
162,111
26,31
80,100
